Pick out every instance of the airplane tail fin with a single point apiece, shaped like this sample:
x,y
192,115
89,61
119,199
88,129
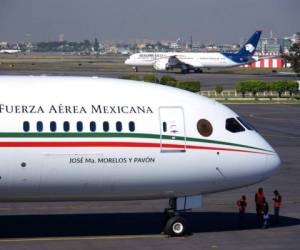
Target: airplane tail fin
x,y
248,50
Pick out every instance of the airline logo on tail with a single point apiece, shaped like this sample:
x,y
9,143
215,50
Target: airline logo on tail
x,y
249,47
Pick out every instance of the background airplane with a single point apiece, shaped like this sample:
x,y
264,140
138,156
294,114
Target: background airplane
x,y
10,51
196,61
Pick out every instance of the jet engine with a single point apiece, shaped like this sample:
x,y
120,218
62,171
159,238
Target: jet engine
x,y
161,64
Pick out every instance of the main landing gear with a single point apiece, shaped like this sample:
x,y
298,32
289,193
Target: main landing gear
x,y
197,70
184,71
174,225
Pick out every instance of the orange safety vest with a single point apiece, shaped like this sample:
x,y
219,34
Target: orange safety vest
x,y
259,198
277,201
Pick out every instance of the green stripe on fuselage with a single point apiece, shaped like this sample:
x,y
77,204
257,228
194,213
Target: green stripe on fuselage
x,y
120,135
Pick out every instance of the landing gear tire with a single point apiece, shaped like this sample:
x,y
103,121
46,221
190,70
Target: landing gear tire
x,y
198,71
174,224
185,71
176,227
135,69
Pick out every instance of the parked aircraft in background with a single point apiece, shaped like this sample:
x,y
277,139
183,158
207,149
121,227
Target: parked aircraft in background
x,y
10,51
79,138
196,61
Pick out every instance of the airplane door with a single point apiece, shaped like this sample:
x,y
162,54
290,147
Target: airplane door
x,y
172,129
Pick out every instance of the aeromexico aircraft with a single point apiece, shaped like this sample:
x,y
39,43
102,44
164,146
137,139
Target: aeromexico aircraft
x,y
10,51
83,139
188,61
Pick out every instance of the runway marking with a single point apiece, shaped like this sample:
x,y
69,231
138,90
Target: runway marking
x,y
117,237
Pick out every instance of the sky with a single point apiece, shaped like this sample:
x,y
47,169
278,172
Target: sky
x,y
221,21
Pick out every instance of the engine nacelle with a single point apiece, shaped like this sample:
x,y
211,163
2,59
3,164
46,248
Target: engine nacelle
x,y
161,64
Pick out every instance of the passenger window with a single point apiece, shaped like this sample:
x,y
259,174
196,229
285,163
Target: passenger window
x,y
26,126
246,124
105,126
119,126
164,126
39,126
234,126
52,126
131,126
93,126
79,126
66,126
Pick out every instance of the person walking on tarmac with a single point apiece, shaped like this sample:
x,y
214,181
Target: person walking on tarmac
x,y
242,204
266,217
259,200
277,204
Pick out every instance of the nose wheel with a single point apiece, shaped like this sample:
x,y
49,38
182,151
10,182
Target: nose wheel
x,y
174,225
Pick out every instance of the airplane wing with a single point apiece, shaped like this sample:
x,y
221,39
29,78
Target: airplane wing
x,y
174,62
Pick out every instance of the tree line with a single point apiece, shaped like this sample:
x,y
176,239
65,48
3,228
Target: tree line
x,y
189,85
243,87
294,57
258,86
65,46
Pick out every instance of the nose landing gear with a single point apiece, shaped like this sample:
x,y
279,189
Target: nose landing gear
x,y
174,224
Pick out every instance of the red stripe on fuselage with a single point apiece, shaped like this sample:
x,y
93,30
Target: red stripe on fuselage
x,y
52,144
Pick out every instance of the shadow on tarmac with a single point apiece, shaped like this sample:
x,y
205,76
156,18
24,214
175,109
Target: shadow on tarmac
x,y
19,226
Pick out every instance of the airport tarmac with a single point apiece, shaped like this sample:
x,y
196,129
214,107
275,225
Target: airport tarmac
x,y
137,224
209,80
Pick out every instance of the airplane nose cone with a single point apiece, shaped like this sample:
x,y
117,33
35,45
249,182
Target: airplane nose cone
x,y
127,61
272,160
273,163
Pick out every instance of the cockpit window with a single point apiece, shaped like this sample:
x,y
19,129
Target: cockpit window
x,y
234,126
204,127
245,123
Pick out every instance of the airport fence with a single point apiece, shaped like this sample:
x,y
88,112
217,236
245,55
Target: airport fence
x,y
235,94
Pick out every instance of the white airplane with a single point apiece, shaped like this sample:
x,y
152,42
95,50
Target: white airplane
x,y
188,61
10,51
80,139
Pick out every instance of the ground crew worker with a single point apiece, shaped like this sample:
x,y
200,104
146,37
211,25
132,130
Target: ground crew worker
x,y
259,200
242,204
277,204
266,217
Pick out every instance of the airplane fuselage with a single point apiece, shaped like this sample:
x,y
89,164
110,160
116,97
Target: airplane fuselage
x,y
10,51
76,138
197,60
